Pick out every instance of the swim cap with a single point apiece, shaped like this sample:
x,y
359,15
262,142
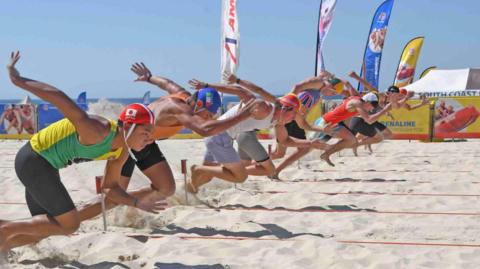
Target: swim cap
x,y
208,98
370,97
393,89
290,101
309,98
403,91
137,114
337,84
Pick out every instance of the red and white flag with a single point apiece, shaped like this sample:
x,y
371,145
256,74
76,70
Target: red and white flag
x,y
230,45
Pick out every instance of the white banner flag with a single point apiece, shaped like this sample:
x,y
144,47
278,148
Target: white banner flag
x,y
327,8
230,45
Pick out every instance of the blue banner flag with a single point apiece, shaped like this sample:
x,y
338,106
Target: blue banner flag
x,y
373,50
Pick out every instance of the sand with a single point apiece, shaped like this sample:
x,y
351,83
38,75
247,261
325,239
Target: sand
x,y
416,193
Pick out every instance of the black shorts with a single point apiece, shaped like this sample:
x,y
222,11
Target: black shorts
x,y
294,130
147,157
44,192
359,125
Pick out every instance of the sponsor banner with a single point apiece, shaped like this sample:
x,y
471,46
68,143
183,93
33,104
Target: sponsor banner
x,y
457,118
408,62
406,124
314,113
188,134
230,42
449,93
327,9
18,121
373,50
48,114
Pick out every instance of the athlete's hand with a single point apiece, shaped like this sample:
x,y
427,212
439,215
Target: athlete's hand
x,y
12,71
141,71
249,107
424,100
390,115
151,206
197,84
328,128
229,78
318,144
353,74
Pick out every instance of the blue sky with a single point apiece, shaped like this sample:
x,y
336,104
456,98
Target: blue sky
x,y
89,45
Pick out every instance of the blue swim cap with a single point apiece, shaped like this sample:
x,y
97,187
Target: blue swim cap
x,y
208,98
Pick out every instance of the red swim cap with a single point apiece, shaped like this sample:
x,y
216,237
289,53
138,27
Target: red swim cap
x,y
138,114
403,91
290,101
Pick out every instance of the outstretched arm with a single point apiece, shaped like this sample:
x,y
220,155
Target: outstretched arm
x,y
371,118
351,90
303,123
309,83
87,128
163,83
316,82
231,78
284,139
410,108
242,93
363,82
212,127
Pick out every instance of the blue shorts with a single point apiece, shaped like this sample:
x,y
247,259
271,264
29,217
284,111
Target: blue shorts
x,y
323,136
220,149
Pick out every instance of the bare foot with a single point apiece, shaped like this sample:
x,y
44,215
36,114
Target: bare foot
x,y
370,148
327,159
275,177
190,182
354,149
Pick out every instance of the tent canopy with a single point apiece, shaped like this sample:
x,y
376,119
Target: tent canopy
x,y
447,82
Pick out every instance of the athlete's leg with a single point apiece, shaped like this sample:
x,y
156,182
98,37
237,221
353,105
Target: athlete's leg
x,y
18,233
279,152
249,148
219,150
202,174
49,203
347,140
299,153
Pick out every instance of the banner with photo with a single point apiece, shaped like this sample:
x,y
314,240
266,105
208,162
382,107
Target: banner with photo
x,y
457,117
18,121
325,18
376,39
427,70
406,124
48,113
408,62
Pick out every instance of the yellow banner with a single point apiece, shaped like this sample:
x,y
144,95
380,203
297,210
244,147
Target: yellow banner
x,y
426,71
408,62
457,117
405,124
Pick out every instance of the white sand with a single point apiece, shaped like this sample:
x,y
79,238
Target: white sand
x,y
396,167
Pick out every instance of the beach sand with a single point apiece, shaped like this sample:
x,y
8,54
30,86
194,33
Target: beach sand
x,y
418,193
